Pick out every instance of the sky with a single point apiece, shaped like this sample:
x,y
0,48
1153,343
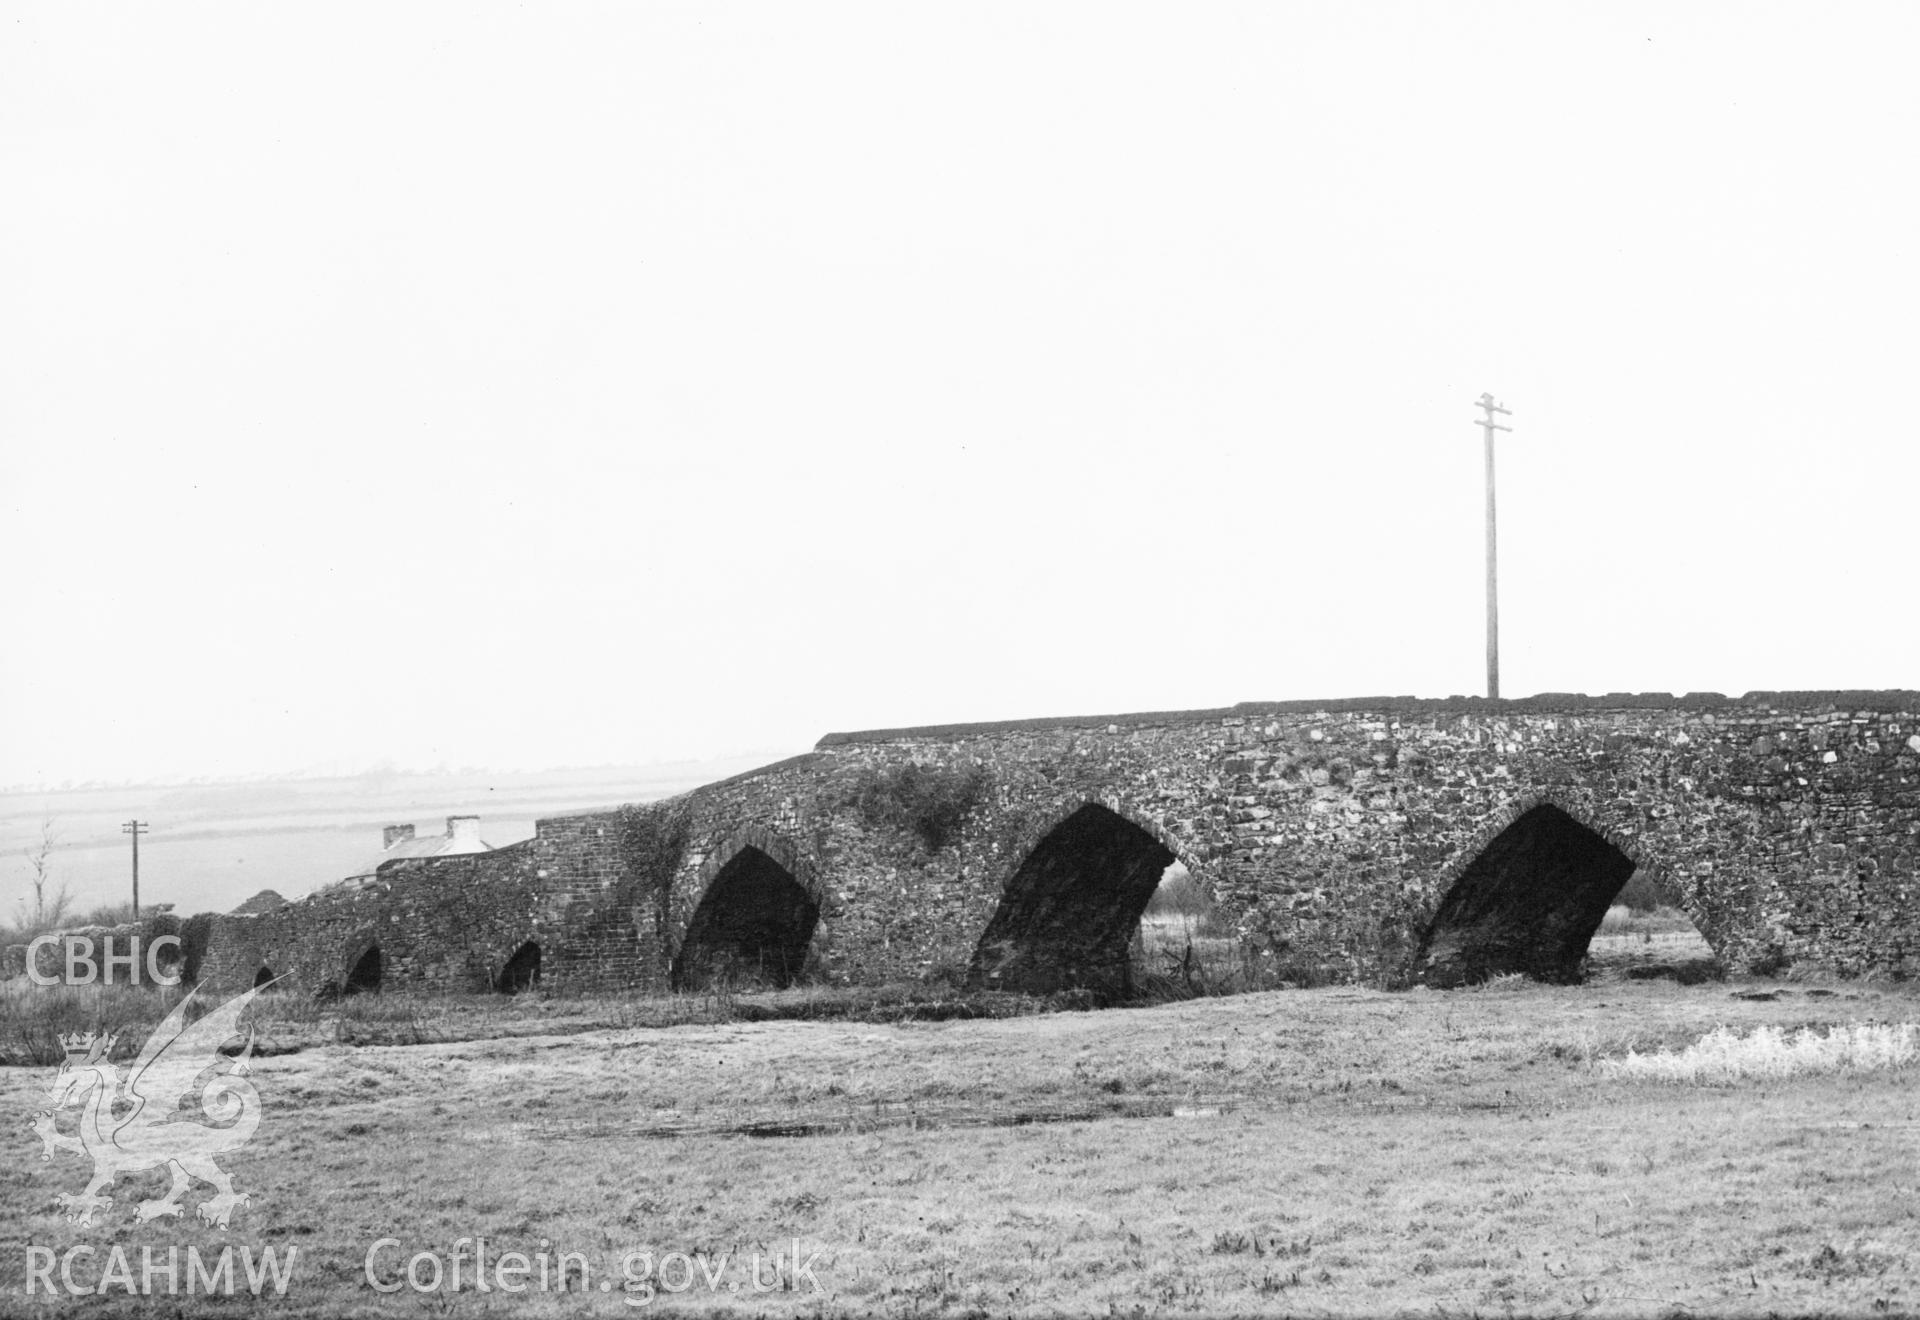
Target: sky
x,y
516,386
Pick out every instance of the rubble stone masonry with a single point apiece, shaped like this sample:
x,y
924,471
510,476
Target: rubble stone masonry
x,y
1787,825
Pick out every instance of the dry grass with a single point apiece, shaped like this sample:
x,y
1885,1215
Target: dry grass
x,y
1184,956
33,1018
1722,1057
1339,1151
1659,943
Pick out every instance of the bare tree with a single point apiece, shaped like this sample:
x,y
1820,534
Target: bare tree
x,y
50,901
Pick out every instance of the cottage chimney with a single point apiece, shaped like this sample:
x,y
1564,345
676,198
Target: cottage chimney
x,y
395,834
463,829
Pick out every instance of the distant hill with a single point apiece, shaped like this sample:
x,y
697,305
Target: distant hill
x,y
211,846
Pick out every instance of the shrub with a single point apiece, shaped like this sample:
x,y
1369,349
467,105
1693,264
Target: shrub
x,y
1186,964
109,914
33,1019
932,801
1639,894
1179,896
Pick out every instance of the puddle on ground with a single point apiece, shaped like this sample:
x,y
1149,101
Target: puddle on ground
x,y
885,1117
778,1130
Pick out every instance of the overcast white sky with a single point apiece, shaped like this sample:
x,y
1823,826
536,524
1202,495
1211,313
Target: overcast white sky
x,y
531,385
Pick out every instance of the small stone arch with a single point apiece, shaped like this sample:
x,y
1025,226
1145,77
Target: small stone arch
x,y
170,958
1071,900
366,972
521,972
1529,890
264,978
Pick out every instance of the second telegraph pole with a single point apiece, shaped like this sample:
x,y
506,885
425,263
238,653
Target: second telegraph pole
x,y
1486,404
136,828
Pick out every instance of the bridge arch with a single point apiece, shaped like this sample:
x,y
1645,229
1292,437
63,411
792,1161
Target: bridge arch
x,y
364,972
1529,891
1072,900
759,905
520,972
776,846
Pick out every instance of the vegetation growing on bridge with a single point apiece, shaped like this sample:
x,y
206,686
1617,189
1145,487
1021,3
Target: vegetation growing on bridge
x,y
933,801
652,841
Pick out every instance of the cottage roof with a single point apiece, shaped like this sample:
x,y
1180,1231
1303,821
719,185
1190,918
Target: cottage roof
x,y
462,837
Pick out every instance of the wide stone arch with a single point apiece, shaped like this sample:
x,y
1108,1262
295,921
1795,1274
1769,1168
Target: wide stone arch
x,y
1070,893
1188,852
1608,824
775,845
1481,908
756,905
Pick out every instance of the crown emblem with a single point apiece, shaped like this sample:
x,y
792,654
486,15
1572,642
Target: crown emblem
x,y
86,1047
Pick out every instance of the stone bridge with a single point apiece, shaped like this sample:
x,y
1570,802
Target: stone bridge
x,y
1378,839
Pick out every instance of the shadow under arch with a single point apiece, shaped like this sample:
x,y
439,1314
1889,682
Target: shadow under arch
x,y
755,920
1068,912
775,846
365,973
1527,895
522,970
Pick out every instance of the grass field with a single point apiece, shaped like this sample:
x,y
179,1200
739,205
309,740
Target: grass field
x,y
1340,1151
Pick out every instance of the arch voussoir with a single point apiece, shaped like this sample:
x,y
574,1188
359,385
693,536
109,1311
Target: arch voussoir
x,y
776,846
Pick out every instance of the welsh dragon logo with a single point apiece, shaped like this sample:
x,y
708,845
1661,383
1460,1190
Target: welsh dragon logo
x,y
142,1122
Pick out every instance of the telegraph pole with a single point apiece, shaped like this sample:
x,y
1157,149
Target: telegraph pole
x,y
1489,426
135,828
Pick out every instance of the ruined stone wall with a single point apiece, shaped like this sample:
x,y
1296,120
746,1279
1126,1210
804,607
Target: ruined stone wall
x,y
1787,825
453,922
437,925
